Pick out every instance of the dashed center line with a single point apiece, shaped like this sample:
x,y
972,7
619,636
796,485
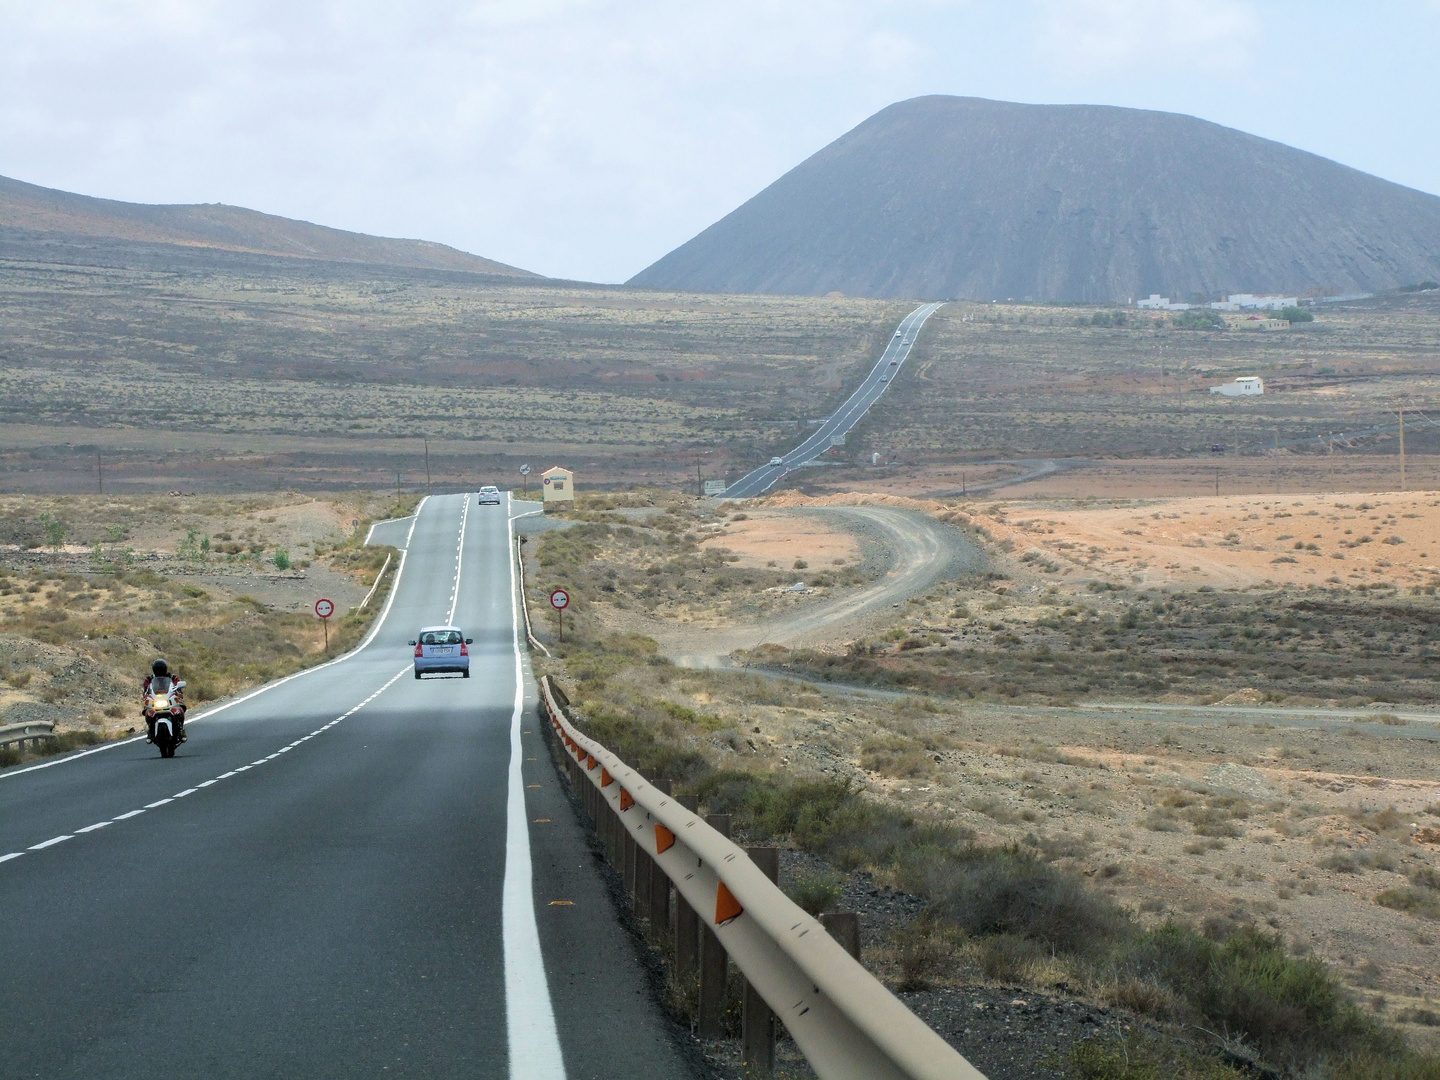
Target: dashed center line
x,y
204,783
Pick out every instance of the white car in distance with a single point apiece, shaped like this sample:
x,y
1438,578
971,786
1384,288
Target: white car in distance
x,y
489,494
777,461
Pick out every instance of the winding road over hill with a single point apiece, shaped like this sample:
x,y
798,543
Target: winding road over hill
x,y
839,423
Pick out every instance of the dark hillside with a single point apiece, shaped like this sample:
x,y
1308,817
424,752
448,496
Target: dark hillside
x,y
230,228
946,197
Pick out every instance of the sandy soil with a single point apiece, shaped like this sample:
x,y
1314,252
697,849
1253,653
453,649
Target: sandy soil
x,y
1389,537
767,538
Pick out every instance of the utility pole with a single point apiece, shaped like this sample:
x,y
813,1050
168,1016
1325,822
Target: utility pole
x,y
699,484
1217,481
99,473
427,467
1402,447
1277,461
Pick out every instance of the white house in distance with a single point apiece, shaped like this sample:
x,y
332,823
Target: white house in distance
x,y
1243,386
558,486
1236,301
1157,302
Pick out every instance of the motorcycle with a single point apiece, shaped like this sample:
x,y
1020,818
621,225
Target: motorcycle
x,y
165,714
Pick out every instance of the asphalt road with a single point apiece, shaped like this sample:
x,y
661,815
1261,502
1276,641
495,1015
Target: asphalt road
x,y
839,423
347,874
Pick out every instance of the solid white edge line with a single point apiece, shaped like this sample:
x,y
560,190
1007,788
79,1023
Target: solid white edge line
x,y
534,1041
375,629
386,521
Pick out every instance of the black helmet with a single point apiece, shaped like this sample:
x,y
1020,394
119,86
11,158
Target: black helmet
x,y
160,668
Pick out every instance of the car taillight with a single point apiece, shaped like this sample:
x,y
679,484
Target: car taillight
x,y
418,651
464,649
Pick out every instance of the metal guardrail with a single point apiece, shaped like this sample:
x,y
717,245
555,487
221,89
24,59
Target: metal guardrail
x,y
525,604
375,584
848,1026
29,731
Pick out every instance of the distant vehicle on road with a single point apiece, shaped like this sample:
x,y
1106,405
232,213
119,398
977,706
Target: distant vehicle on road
x,y
489,494
884,378
899,332
894,363
442,649
777,461
1217,448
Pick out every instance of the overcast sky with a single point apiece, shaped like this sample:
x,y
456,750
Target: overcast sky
x,y
585,138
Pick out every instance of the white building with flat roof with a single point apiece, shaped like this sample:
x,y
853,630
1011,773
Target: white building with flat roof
x,y
1243,386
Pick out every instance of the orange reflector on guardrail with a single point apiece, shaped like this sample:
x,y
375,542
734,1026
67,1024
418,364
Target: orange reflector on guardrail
x,y
590,760
605,778
664,838
625,800
726,906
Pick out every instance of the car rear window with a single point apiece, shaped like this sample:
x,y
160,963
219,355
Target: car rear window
x,y
440,637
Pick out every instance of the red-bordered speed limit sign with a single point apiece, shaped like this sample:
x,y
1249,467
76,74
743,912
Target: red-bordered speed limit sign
x,y
559,599
324,608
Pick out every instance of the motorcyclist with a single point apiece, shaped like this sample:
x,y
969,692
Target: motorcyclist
x,y
162,680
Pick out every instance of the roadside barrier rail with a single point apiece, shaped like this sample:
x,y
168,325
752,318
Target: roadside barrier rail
x,y
525,604
28,731
845,1022
375,584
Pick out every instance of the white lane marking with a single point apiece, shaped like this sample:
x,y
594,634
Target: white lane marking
x,y
12,855
387,521
459,561
411,533
375,629
529,1016
190,791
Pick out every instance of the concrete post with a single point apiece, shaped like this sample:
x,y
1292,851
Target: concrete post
x,y
757,1022
710,1016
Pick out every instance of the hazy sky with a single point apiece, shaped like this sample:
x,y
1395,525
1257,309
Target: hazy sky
x,y
585,138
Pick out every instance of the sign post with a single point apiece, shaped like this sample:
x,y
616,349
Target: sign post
x,y
560,600
324,608
525,480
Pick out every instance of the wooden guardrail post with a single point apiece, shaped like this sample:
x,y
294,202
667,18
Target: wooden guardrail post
x,y
687,923
844,927
757,1022
710,1013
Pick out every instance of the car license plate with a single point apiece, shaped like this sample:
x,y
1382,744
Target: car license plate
x,y
446,651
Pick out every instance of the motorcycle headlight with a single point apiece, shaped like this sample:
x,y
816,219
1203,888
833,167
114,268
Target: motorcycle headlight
x,y
162,702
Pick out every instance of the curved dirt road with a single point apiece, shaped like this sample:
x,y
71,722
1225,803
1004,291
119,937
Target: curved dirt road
x,y
916,551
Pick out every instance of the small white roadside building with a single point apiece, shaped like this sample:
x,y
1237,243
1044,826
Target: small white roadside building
x,y
1243,386
558,486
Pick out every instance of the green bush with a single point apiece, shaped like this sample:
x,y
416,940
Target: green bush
x,y
282,559
815,893
1140,1058
1197,320
1289,1007
1296,314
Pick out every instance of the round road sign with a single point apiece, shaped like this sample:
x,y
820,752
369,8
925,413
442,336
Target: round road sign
x,y
324,608
559,599
524,470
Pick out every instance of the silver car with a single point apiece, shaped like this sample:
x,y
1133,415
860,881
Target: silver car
x,y
489,494
442,649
